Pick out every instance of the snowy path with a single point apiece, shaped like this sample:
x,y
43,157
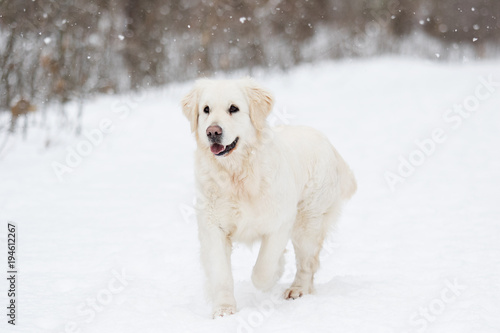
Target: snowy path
x,y
113,246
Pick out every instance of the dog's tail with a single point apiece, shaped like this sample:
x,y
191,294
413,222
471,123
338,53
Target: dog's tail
x,y
346,179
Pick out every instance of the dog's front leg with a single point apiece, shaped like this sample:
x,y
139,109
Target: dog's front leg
x,y
216,260
270,262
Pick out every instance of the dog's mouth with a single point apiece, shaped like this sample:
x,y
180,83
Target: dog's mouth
x,y
220,150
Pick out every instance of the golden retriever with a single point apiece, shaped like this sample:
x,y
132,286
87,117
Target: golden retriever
x,y
260,183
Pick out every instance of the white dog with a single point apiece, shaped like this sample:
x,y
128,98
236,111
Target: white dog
x,y
258,183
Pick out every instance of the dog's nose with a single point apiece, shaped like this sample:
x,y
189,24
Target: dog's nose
x,y
214,132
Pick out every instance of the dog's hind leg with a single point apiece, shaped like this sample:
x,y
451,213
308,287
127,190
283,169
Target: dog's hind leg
x,y
307,238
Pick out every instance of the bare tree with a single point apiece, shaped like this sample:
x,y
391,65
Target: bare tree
x,y
54,52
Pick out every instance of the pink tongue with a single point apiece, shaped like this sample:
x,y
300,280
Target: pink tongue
x,y
216,148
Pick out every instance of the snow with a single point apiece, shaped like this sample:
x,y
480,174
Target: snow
x,y
112,246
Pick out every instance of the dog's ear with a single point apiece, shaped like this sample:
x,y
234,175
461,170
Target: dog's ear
x,y
260,101
190,107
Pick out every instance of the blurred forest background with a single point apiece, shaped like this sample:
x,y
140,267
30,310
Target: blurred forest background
x,y
53,52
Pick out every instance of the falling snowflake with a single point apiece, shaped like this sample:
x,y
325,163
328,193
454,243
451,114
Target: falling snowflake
x,y
47,40
121,37
243,19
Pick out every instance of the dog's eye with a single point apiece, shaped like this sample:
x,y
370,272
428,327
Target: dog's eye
x,y
233,109
206,109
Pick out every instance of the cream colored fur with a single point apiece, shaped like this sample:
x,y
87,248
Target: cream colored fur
x,y
277,184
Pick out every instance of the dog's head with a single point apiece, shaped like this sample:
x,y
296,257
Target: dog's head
x,y
227,114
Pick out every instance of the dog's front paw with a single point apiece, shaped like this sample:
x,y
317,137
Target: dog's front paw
x,y
224,310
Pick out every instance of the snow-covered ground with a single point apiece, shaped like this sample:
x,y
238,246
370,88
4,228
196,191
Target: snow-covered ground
x,y
107,239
